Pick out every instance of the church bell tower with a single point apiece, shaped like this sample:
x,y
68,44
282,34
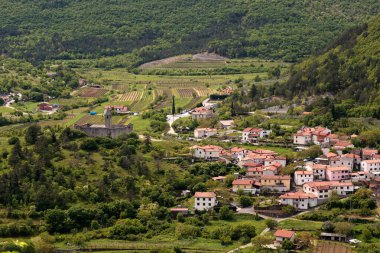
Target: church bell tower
x,y
107,118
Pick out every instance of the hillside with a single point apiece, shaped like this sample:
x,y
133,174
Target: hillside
x,y
349,70
141,31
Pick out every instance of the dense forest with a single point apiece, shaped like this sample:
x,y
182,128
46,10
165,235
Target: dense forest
x,y
140,31
347,74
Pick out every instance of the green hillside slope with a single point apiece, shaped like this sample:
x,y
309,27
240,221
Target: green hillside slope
x,y
146,30
349,70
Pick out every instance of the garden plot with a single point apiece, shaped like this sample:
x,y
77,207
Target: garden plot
x,y
131,96
90,92
98,120
187,93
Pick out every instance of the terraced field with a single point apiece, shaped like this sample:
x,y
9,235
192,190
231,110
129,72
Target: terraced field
x,y
90,92
130,96
187,93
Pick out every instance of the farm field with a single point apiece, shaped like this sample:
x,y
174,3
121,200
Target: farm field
x,y
131,89
91,92
332,247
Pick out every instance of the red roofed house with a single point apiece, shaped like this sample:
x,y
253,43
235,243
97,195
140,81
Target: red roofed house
x,y
311,135
299,200
282,235
255,172
118,108
209,152
323,190
204,200
348,160
252,135
279,183
342,145
303,176
246,185
338,173
368,154
201,113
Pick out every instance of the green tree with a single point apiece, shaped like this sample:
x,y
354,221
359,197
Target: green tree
x,y
32,133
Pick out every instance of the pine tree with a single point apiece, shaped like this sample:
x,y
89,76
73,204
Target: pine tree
x,y
173,106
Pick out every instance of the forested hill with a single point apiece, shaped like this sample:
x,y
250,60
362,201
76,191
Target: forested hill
x,y
145,30
349,69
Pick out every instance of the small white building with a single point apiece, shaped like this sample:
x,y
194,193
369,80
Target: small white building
x,y
299,200
303,176
204,201
370,165
204,132
282,235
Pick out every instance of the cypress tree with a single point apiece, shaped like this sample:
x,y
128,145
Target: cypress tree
x,y
173,106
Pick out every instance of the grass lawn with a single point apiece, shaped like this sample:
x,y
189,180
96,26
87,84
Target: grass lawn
x,y
301,224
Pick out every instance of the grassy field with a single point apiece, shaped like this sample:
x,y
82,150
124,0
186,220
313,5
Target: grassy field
x,y
301,225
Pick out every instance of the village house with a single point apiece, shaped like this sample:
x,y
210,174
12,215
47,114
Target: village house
x,y
370,165
282,235
246,185
278,160
323,190
275,183
270,170
204,132
338,173
347,160
325,158
310,135
209,152
319,170
254,172
303,176
204,200
226,124
201,113
369,154
252,135
360,176
342,145
238,153
119,109
299,200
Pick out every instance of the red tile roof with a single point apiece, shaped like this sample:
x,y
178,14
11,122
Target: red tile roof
x,y
298,195
303,172
284,233
205,195
243,182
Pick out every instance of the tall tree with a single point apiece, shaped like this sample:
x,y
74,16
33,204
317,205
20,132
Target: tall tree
x,y
173,106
